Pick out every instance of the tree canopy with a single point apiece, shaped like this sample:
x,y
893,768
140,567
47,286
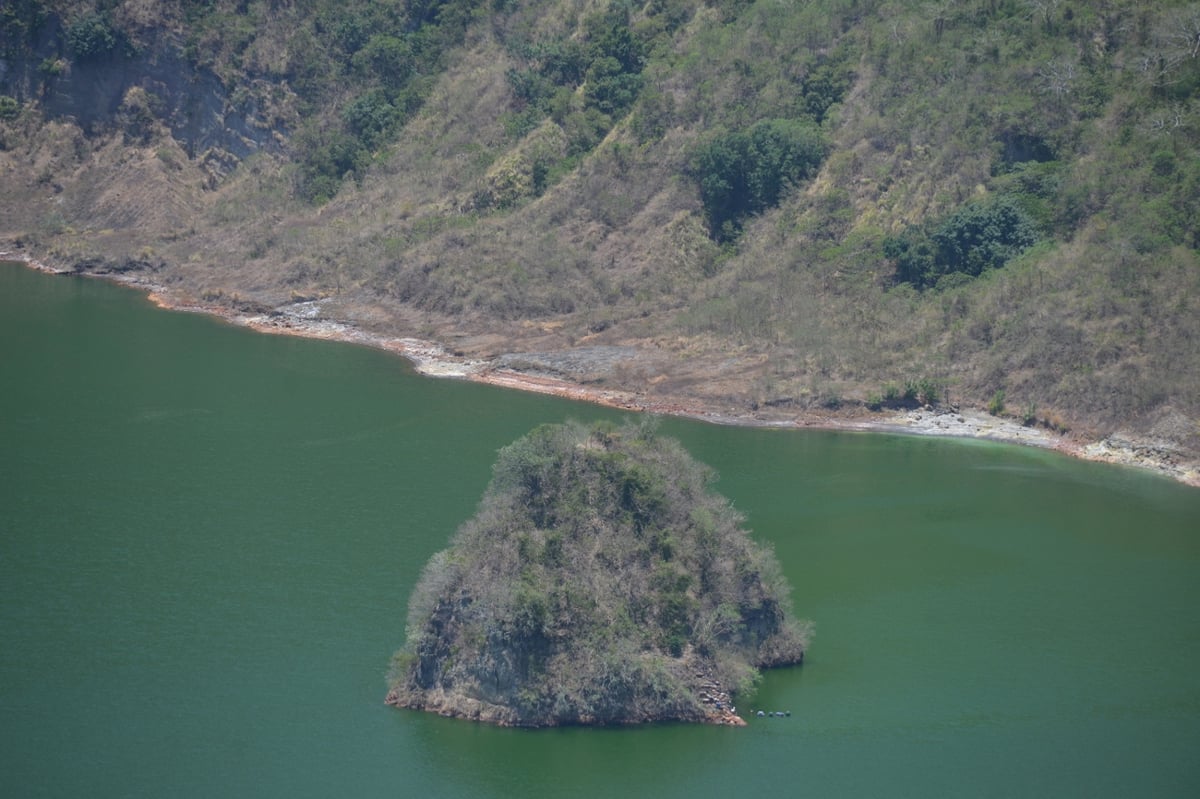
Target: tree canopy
x,y
746,172
976,237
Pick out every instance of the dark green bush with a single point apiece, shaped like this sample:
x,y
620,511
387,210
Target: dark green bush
x,y
745,173
609,36
531,87
611,89
979,236
925,391
372,117
388,59
1029,415
91,36
325,160
564,63
823,86
983,236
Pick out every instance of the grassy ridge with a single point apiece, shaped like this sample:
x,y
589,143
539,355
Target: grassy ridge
x,y
993,195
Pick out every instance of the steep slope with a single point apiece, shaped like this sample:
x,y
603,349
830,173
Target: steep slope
x,y
788,206
600,582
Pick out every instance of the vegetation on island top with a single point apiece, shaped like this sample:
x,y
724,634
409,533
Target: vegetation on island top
x,y
601,581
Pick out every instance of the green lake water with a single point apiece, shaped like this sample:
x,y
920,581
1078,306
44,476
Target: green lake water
x,y
208,536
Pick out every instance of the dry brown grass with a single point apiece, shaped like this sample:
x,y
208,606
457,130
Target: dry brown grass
x,y
1096,329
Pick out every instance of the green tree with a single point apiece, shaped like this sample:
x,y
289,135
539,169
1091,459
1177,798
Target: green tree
x,y
823,86
610,37
977,237
371,116
388,59
914,256
9,107
983,236
745,173
91,36
610,88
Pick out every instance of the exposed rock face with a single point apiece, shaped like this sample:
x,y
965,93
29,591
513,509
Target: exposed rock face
x,y
191,101
601,582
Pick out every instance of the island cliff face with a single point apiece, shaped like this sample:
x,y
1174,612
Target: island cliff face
x,y
600,582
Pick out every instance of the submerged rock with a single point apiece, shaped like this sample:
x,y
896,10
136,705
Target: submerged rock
x,y
600,582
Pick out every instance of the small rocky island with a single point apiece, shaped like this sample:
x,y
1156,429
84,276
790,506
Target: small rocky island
x,y
601,581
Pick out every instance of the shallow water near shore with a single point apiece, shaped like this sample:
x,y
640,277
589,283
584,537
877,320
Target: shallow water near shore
x,y
208,536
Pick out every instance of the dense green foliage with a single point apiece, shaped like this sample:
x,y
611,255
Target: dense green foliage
x,y
91,36
976,237
743,173
600,578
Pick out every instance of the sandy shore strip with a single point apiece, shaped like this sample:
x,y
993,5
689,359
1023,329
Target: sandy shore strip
x,y
429,358
31,262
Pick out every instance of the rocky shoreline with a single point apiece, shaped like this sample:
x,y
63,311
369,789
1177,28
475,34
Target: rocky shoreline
x,y
716,703
520,371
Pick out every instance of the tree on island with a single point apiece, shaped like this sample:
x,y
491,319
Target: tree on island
x,y
601,581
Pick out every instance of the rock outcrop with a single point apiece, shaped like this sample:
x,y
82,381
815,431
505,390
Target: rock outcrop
x,y
600,582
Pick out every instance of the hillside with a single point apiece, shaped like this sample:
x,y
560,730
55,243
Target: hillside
x,y
600,582
769,208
